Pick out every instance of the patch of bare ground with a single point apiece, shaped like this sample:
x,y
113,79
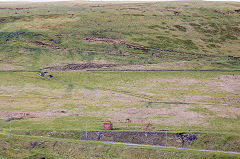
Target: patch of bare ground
x,y
51,46
85,66
109,95
4,145
176,116
178,81
7,67
38,114
8,91
228,83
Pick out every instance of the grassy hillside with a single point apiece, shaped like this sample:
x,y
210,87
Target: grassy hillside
x,y
175,35
205,101
36,147
197,42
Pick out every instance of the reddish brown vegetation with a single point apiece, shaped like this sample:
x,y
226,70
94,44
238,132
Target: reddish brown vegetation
x,y
58,35
80,66
45,45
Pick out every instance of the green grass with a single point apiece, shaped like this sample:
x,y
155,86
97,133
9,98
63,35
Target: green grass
x,y
212,39
62,148
202,110
180,100
205,33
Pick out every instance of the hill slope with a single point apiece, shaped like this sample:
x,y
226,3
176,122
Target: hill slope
x,y
166,35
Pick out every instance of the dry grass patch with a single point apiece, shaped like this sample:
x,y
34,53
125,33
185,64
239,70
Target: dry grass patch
x,y
6,67
176,116
109,96
228,83
37,114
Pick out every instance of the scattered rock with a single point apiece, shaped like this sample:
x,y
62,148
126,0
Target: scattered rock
x,y
49,76
128,121
237,10
58,35
34,144
53,41
187,138
176,13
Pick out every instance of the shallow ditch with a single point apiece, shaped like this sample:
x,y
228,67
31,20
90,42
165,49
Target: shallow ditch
x,y
148,138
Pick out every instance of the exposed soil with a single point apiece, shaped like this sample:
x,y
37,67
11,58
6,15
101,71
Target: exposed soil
x,y
97,94
82,66
4,145
38,114
116,41
45,45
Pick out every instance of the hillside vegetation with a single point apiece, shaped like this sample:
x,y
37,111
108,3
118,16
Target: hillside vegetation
x,y
155,67
181,101
166,35
38,148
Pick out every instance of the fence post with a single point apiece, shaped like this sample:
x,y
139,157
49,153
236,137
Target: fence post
x,y
166,137
86,135
10,129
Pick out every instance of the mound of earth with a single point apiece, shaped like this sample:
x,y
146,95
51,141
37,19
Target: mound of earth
x,y
70,67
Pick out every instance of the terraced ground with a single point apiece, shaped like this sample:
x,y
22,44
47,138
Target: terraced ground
x,y
90,48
